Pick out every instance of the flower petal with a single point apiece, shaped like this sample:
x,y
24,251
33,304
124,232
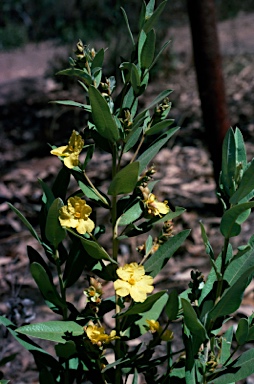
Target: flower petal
x,y
122,288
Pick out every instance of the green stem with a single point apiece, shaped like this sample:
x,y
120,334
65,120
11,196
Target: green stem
x,y
138,148
95,190
118,376
61,284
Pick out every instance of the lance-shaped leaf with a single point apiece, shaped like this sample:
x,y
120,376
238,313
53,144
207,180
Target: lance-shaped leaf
x,y
232,297
148,49
172,305
128,26
93,248
156,101
61,183
25,222
246,185
125,180
78,73
152,20
240,149
102,117
31,346
228,167
131,214
138,308
242,331
157,261
72,103
157,128
90,193
54,231
232,218
45,285
154,148
52,330
196,328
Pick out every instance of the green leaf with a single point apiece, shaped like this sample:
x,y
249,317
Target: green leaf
x,y
25,222
77,72
242,331
158,260
172,305
125,180
157,128
102,117
226,341
149,24
52,330
61,183
148,49
66,350
239,369
228,168
135,78
232,297
131,214
132,138
98,59
29,345
72,103
139,308
156,101
45,285
92,248
54,231
159,54
136,324
141,42
154,148
208,247
194,325
246,185
128,26
48,196
90,193
75,264
240,149
231,219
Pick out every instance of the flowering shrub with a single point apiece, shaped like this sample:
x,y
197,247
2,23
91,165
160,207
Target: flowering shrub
x,y
71,240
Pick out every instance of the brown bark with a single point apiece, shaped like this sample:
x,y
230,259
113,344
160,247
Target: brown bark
x,y
208,64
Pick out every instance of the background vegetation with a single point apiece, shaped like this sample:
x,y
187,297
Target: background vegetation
x,y
22,21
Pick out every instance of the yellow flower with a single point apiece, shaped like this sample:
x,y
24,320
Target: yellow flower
x,y
154,207
98,336
133,282
76,215
71,151
154,326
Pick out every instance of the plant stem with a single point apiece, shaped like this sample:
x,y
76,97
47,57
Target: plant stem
x,y
118,376
61,284
222,270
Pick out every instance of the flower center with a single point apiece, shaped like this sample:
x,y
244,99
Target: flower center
x,y
131,281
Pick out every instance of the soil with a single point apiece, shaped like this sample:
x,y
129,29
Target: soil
x,y
28,123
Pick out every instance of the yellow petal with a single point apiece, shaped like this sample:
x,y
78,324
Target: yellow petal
x,y
122,288
84,226
71,161
60,151
137,295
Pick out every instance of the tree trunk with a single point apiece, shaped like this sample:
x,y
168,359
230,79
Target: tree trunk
x,y
208,64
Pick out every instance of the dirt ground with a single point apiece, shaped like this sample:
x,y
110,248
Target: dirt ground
x,y
28,123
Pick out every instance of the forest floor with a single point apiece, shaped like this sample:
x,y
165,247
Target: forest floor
x,y
28,123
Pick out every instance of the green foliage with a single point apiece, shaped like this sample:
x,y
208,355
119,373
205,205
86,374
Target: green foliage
x,y
72,241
